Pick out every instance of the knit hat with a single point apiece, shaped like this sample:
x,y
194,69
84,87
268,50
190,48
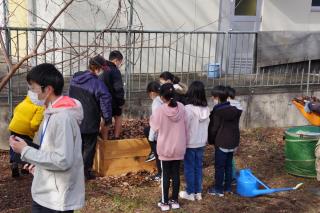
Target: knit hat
x,y
98,61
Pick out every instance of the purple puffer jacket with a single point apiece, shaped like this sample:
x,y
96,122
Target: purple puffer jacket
x,y
95,99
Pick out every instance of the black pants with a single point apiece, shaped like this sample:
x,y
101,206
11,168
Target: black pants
x,y
153,146
89,142
170,170
36,208
15,157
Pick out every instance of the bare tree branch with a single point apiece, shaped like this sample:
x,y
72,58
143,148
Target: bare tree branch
x,y
14,68
74,54
50,25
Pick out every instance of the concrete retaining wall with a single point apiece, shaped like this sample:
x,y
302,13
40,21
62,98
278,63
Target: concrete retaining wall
x,y
4,134
260,110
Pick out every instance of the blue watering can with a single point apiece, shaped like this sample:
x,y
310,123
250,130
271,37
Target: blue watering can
x,y
248,185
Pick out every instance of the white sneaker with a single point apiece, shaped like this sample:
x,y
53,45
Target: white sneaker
x,y
185,195
198,196
174,204
163,206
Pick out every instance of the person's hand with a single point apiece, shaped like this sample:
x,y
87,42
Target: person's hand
x,y
17,144
30,168
306,107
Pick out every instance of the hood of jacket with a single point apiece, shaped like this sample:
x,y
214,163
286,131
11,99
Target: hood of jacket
x,y
174,113
82,77
202,113
226,111
64,103
109,65
181,88
236,104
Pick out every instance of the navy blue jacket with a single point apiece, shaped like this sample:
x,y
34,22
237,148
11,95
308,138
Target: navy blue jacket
x,y
111,76
95,99
223,130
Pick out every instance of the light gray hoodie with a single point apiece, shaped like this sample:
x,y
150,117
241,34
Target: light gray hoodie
x,y
58,181
197,125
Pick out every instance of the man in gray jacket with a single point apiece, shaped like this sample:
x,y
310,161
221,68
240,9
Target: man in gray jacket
x,y
58,183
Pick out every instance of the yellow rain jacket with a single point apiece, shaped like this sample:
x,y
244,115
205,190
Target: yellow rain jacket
x,y
26,118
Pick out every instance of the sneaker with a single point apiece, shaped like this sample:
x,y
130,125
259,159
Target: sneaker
x,y
163,206
185,195
213,191
151,157
174,204
157,177
198,196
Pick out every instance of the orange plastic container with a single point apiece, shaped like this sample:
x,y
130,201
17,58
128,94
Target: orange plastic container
x,y
313,118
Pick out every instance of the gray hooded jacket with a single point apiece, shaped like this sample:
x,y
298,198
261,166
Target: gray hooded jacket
x,y
58,181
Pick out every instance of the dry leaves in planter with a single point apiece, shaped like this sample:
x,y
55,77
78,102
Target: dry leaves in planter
x,y
131,128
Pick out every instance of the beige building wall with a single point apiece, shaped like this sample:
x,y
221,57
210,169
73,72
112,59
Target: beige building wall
x,y
289,15
179,15
18,17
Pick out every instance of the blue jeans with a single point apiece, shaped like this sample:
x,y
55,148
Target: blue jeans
x,y
193,169
223,170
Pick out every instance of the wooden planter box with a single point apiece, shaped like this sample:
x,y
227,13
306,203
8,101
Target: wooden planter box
x,y
118,157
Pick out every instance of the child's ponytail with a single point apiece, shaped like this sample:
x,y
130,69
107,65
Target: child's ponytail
x,y
173,103
167,93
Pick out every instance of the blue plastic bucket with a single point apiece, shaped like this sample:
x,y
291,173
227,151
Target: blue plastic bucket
x,y
214,70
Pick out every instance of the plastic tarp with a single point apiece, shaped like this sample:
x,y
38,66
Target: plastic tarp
x,y
275,47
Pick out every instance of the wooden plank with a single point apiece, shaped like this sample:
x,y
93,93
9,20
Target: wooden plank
x,y
122,156
124,148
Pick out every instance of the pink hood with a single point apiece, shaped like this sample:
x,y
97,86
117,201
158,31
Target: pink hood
x,y
170,123
175,114
65,103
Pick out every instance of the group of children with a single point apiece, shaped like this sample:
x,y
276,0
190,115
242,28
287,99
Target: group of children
x,y
100,91
61,157
181,125
180,130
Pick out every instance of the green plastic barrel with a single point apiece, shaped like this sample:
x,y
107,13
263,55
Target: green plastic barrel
x,y
299,150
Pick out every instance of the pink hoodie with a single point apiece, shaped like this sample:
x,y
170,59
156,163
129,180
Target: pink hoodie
x,y
170,123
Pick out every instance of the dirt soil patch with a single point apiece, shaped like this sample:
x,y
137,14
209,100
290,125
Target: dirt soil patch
x,y
262,150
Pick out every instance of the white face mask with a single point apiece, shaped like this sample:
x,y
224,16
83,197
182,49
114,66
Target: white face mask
x,y
34,98
215,101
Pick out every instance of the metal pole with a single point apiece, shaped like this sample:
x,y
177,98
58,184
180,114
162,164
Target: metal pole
x,y
128,53
308,80
7,35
